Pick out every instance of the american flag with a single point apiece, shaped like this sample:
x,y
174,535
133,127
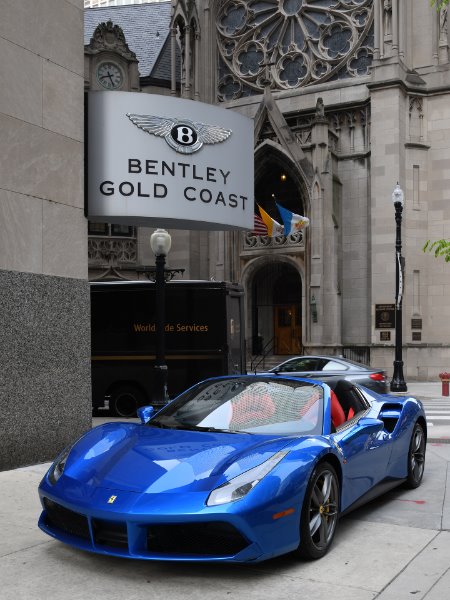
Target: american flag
x,y
259,227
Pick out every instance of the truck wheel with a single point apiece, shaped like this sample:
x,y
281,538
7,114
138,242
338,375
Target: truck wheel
x,y
125,400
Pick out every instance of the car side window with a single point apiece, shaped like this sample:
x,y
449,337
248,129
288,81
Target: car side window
x,y
362,401
352,402
300,364
332,365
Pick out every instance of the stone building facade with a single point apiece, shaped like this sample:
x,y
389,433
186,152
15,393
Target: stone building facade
x,y
348,98
44,297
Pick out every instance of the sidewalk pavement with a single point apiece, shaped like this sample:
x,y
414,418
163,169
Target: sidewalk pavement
x,y
426,389
395,548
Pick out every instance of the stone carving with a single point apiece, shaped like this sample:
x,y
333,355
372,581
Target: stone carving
x,y
352,130
304,42
258,242
303,136
320,108
108,36
104,251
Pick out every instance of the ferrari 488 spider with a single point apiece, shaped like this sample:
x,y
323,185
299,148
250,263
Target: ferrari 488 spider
x,y
235,469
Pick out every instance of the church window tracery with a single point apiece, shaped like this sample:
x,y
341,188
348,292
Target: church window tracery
x,y
303,42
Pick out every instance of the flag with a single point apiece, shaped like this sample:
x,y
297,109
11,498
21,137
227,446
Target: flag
x,y
273,227
292,222
259,227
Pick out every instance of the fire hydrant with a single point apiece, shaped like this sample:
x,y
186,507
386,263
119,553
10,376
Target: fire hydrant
x,y
445,378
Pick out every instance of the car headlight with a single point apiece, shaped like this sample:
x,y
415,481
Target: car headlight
x,y
58,466
239,486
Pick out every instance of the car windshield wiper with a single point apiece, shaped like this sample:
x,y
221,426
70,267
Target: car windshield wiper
x,y
189,427
214,429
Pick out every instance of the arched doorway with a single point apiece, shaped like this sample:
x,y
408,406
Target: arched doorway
x,y
274,285
277,310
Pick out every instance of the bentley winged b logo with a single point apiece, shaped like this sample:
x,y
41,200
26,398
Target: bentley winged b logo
x,y
182,135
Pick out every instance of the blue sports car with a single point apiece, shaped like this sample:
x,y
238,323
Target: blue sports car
x,y
235,469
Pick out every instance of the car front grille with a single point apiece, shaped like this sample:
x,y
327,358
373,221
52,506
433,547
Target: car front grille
x,y
66,520
210,539
107,533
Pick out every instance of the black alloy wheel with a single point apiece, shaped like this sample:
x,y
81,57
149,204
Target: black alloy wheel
x,y
416,457
320,513
125,400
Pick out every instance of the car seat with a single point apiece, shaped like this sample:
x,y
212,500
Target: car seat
x,y
346,395
337,413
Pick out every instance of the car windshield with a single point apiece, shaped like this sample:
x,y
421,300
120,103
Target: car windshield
x,y
252,405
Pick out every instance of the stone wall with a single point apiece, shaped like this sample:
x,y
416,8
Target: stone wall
x,y
44,299
45,365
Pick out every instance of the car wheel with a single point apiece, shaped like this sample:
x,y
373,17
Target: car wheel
x,y
320,513
125,400
416,457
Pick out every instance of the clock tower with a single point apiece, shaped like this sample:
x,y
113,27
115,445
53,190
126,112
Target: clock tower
x,y
109,63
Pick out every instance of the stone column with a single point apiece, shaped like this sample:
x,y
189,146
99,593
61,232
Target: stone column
x,y
395,27
173,49
402,8
319,137
187,62
377,32
380,11
197,65
324,259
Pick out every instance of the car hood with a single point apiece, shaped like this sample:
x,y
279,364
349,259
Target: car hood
x,y
146,459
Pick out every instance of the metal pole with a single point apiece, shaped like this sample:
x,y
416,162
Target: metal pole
x,y
398,383
160,396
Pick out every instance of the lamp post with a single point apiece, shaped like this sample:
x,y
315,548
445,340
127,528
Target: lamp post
x,y
160,242
398,382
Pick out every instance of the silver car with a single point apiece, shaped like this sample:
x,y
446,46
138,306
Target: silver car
x,y
324,367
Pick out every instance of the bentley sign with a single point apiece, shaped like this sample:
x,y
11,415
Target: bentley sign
x,y
162,161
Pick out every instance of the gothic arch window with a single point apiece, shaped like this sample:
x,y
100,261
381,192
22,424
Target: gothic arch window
x,y
302,42
180,28
278,180
274,184
187,33
415,118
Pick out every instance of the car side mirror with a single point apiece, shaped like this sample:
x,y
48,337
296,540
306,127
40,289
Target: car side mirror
x,y
145,413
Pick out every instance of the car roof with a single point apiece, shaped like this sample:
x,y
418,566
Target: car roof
x,y
328,357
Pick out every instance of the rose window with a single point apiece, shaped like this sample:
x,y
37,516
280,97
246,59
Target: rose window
x,y
291,43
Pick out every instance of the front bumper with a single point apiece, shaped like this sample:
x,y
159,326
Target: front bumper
x,y
114,522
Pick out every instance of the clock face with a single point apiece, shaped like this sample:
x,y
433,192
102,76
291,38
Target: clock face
x,y
109,76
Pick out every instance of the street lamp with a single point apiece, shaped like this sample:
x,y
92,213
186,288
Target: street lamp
x,y
160,242
398,382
